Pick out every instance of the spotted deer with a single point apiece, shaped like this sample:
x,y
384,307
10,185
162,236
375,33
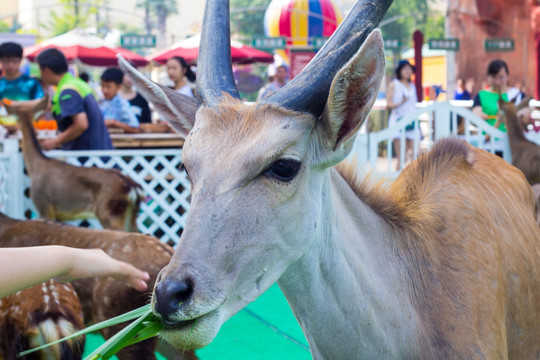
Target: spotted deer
x,y
39,315
442,264
64,192
101,298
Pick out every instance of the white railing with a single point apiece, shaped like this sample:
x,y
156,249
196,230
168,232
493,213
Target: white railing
x,y
163,212
374,150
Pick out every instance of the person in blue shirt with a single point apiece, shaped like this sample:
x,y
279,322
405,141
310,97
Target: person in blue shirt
x,y
116,110
74,107
15,85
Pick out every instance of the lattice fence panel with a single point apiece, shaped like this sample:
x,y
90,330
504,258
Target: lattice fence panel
x,y
167,189
4,166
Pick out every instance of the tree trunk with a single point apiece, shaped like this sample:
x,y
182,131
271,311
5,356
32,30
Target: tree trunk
x,y
162,27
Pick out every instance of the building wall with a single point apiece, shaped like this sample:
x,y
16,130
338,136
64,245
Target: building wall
x,y
472,21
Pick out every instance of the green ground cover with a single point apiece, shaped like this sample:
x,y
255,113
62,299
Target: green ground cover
x,y
265,330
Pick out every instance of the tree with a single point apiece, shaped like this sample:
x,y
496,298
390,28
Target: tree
x,y
4,27
247,17
75,14
161,9
406,21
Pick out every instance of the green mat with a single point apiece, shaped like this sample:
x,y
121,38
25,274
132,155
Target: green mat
x,y
265,330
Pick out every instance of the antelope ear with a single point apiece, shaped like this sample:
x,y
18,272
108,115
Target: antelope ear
x,y
353,92
177,109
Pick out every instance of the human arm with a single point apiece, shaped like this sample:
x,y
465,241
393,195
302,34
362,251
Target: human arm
x,y
390,105
72,132
36,92
23,267
112,123
477,108
117,114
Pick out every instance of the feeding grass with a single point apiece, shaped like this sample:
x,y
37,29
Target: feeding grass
x,y
146,326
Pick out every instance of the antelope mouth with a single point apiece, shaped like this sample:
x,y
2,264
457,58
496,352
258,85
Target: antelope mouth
x,y
178,326
193,333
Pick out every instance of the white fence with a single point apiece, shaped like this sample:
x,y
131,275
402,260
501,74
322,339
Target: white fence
x,y
374,150
167,189
163,213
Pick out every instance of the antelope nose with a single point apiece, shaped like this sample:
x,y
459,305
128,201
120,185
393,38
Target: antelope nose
x,y
170,296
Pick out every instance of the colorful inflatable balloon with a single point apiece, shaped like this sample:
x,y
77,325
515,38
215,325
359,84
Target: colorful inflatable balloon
x,y
301,20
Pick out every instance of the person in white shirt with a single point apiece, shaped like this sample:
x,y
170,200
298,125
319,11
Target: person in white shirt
x,y
401,100
178,71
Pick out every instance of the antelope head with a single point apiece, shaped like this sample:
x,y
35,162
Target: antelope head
x,y
257,170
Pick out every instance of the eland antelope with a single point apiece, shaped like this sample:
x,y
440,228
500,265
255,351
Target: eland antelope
x,y
444,264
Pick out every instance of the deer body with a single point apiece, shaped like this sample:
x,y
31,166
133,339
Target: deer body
x,y
101,298
525,153
38,315
442,265
65,192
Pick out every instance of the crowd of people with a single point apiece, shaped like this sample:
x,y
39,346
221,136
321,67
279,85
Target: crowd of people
x,y
85,115
401,100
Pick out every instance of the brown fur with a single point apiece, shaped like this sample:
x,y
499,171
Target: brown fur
x,y
434,205
23,314
536,190
101,298
65,192
241,121
525,154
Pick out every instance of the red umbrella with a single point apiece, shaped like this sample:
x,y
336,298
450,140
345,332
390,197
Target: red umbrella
x,y
88,49
189,50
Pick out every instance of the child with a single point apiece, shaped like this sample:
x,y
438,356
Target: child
x,y
116,110
15,85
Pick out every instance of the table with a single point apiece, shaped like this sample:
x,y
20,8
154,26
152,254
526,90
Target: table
x,y
147,140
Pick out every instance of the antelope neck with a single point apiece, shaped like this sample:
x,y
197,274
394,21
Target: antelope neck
x,y
350,273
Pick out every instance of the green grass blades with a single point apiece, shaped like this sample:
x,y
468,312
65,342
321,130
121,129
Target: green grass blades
x,y
145,327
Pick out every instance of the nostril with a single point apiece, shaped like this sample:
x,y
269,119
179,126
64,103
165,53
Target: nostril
x,y
171,295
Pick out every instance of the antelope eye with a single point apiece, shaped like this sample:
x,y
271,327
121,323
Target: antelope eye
x,y
284,169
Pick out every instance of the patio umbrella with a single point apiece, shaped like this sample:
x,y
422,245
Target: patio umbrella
x,y
189,50
89,49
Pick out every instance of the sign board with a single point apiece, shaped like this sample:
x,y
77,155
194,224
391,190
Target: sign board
x,y
444,44
392,44
132,40
499,44
299,60
269,43
318,42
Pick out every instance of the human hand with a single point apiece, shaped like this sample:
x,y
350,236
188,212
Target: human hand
x,y
49,144
95,262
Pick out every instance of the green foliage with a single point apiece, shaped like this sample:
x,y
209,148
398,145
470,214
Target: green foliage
x,y
247,17
75,14
434,27
4,27
156,6
409,16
